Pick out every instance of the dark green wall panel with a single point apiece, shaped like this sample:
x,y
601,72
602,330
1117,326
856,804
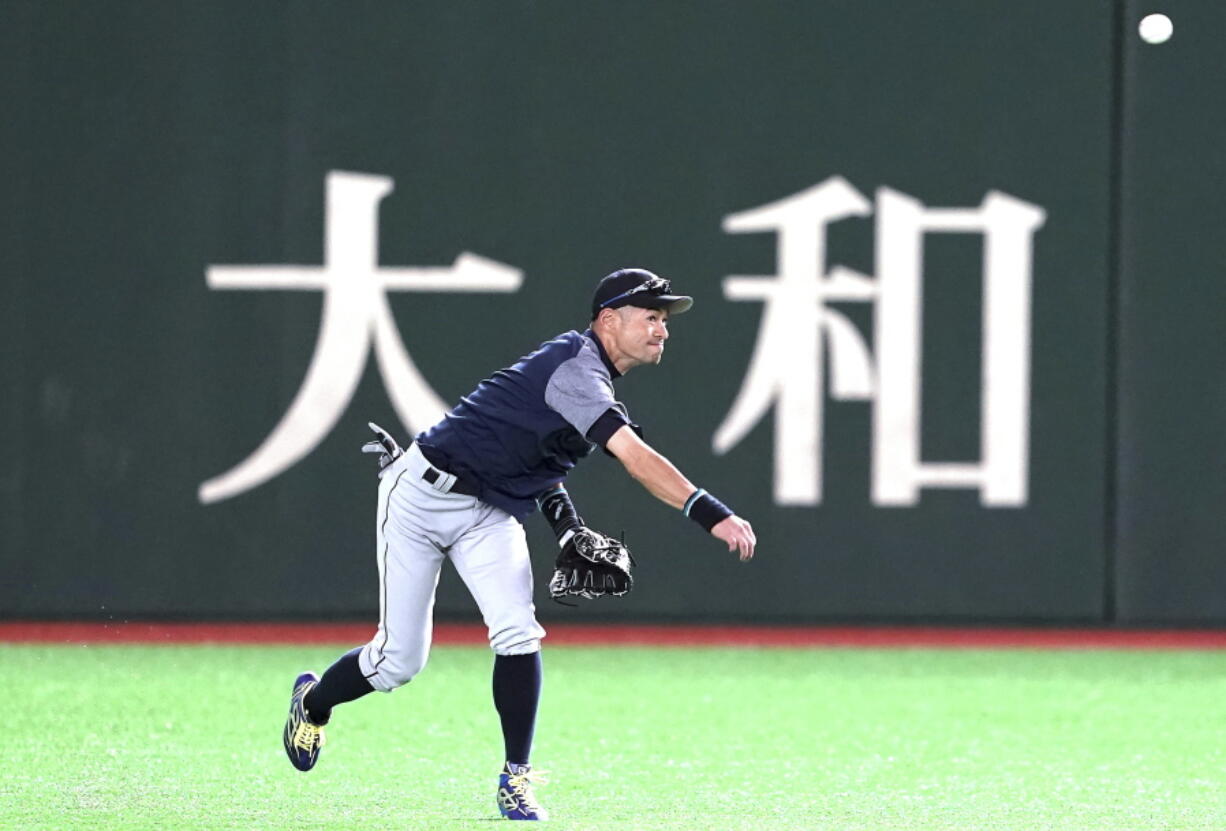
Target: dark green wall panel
x,y
159,139
1172,311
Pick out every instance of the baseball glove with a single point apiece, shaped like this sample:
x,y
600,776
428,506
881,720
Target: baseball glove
x,y
592,565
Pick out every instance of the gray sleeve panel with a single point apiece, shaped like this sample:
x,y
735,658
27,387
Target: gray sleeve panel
x,y
580,389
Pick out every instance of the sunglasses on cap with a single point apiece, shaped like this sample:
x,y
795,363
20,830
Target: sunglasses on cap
x,y
654,285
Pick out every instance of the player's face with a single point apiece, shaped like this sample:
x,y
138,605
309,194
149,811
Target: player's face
x,y
642,334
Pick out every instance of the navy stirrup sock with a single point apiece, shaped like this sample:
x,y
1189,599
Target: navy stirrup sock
x,y
517,690
342,682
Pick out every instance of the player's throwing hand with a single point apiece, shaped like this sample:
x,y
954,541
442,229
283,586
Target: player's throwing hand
x,y
738,534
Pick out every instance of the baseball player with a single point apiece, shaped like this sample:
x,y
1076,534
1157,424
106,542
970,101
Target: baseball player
x,y
462,490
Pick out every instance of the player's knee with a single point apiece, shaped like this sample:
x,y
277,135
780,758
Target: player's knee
x,y
395,668
517,640
398,675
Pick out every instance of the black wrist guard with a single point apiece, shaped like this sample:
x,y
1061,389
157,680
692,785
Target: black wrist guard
x,y
705,509
557,508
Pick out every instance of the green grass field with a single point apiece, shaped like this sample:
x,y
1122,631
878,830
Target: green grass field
x,y
135,737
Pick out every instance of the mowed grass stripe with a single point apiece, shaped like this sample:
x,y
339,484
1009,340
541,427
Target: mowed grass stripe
x,y
141,737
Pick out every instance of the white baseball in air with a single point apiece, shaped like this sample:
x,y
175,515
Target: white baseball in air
x,y
1156,28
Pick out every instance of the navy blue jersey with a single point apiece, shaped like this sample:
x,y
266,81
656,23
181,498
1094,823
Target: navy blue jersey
x,y
523,428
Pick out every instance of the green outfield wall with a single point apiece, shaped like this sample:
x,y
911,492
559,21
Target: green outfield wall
x,y
956,349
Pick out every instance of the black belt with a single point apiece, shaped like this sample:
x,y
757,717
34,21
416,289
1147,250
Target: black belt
x,y
460,486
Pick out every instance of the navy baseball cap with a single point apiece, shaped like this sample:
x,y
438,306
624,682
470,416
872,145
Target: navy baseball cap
x,y
638,287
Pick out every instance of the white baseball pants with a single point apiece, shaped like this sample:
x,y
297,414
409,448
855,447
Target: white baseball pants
x,y
418,526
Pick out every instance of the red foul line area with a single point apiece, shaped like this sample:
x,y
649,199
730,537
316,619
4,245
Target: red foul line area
x,y
473,634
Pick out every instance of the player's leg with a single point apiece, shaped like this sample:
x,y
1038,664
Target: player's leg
x,y
413,520
345,680
492,559
517,693
311,706
342,682
408,575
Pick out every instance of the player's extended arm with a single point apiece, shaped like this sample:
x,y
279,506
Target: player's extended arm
x,y
662,479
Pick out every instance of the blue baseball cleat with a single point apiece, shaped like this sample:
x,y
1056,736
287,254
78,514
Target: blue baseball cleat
x,y
303,738
515,797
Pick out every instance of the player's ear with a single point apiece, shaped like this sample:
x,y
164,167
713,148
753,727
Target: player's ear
x,y
607,317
